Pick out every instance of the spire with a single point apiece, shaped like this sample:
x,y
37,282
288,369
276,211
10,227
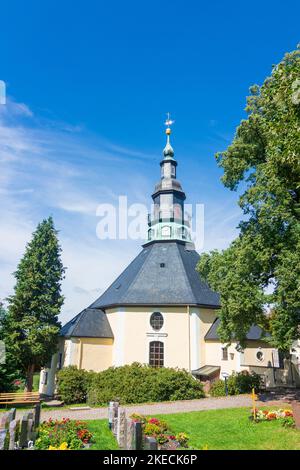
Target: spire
x,y
168,150
167,220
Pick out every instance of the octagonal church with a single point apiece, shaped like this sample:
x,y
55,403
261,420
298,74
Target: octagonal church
x,y
159,311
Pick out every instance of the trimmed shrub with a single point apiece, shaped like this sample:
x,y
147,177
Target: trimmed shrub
x,y
237,383
73,384
217,388
137,383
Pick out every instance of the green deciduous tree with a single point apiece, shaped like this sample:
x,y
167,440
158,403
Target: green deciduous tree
x,y
32,325
261,268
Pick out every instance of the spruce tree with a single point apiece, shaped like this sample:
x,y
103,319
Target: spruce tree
x,y
32,326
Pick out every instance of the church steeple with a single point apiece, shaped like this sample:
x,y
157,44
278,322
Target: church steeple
x,y
167,220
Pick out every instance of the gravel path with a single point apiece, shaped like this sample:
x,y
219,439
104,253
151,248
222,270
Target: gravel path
x,y
166,407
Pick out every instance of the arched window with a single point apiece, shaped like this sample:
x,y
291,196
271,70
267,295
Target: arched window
x,y
156,354
156,320
166,231
150,233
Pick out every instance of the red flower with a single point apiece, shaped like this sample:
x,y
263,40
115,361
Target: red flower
x,y
172,437
153,421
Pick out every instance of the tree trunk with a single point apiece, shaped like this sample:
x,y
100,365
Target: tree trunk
x,y
29,378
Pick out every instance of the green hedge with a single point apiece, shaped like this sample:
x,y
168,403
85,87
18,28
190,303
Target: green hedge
x,y
237,383
73,384
135,383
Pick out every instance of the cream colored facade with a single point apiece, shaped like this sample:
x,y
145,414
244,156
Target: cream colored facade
x,y
183,335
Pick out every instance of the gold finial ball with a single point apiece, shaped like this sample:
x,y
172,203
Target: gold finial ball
x,y
168,131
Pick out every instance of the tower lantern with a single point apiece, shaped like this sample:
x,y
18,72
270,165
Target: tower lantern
x,y
167,220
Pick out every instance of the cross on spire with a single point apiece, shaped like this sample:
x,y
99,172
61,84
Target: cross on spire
x,y
168,121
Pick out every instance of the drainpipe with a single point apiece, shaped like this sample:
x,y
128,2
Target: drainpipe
x,y
189,320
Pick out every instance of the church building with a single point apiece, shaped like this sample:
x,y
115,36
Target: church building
x,y
159,311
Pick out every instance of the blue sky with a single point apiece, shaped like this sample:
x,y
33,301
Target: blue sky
x,y
88,86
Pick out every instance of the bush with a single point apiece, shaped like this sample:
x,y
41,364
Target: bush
x,y
138,383
237,383
217,388
73,384
62,435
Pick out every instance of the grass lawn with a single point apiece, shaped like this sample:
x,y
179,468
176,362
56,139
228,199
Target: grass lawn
x,y
231,429
217,429
102,435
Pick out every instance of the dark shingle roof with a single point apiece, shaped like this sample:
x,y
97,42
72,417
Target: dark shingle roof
x,y
255,332
162,274
90,323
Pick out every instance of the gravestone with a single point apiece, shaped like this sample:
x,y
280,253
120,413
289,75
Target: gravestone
x,y
122,428
137,443
30,432
129,434
4,420
112,412
3,433
13,433
37,415
114,426
296,413
12,412
150,443
23,439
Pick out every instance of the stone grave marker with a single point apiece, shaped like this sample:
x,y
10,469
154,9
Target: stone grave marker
x,y
3,433
122,428
137,443
23,439
150,443
296,413
112,412
37,415
30,432
129,434
4,420
13,433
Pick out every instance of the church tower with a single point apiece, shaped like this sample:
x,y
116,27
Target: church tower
x,y
167,220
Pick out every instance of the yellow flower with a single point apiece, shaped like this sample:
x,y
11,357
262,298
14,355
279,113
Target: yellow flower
x,y
63,446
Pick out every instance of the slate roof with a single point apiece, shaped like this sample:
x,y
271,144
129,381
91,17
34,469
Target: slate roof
x,y
162,274
255,332
90,323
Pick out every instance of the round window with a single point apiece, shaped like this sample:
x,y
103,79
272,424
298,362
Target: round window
x,y
259,355
156,321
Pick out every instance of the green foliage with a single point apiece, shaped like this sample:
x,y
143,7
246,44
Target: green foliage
x,y
262,266
73,384
218,388
288,422
133,383
8,371
69,434
236,383
138,383
32,326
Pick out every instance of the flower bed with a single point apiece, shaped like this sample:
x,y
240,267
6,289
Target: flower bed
x,y
159,429
63,435
286,416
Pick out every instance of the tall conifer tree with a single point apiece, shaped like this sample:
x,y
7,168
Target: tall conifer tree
x,y
32,325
